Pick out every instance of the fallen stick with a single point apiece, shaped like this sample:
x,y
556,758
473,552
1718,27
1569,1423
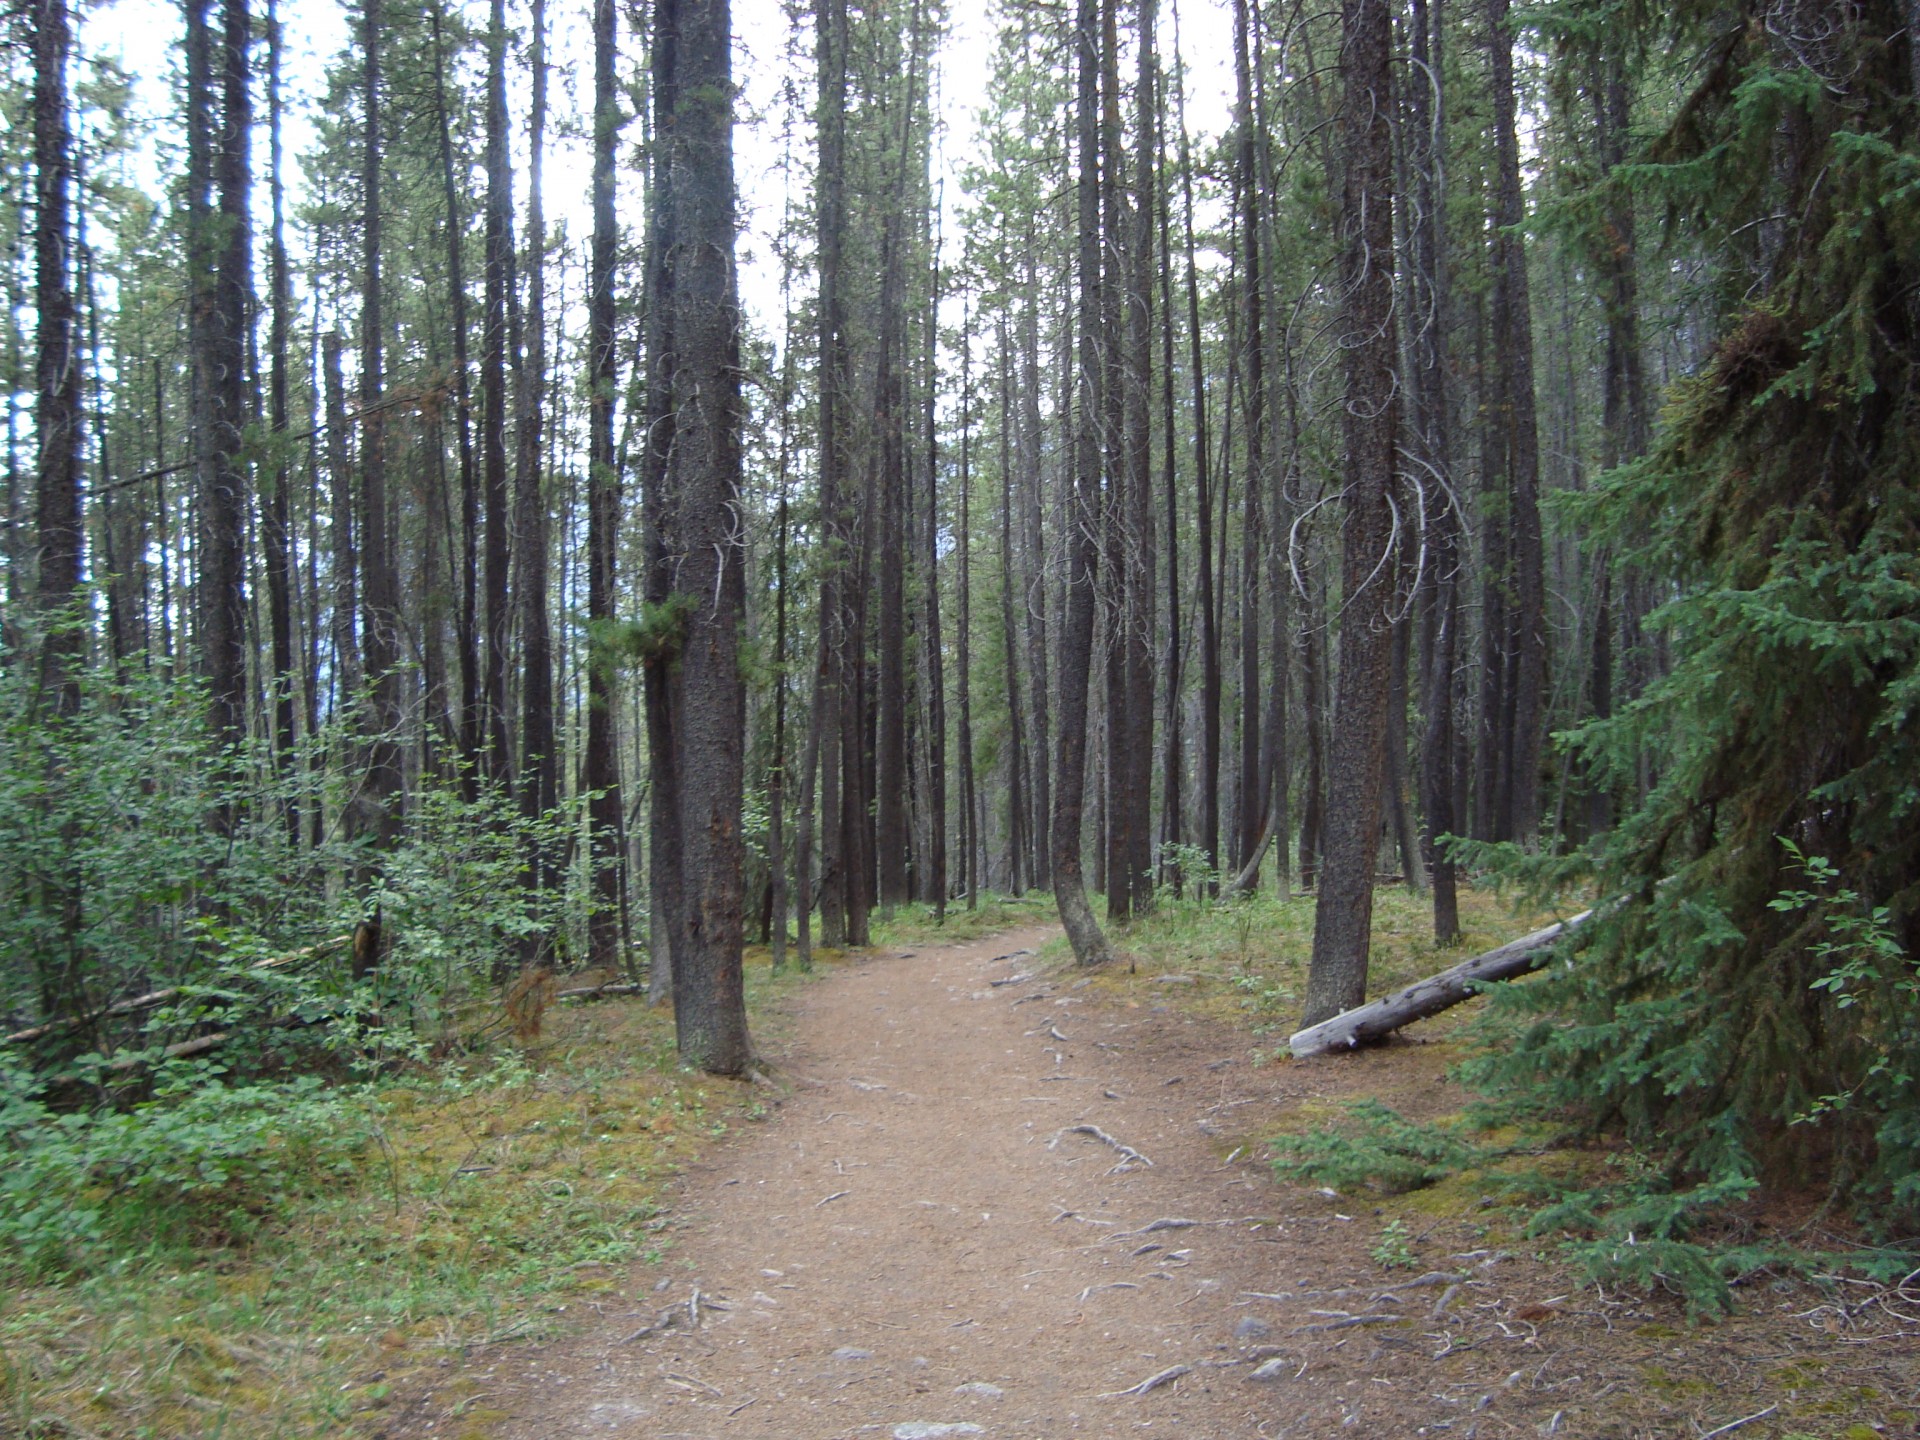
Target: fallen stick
x,y
153,998
1152,1382
1379,1018
1128,1155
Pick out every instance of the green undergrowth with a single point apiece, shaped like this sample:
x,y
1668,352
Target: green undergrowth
x,y
1249,956
273,1261
916,924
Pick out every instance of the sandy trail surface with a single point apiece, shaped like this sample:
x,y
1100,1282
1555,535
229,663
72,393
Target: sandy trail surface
x,y
987,1207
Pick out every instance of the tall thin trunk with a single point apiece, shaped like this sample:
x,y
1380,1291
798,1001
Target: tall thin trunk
x,y
539,760
933,888
969,801
1018,799
343,542
493,747
1210,677
1513,335
275,529
1076,641
601,775
1433,452
1253,397
56,366
223,352
467,625
1034,588
830,22
381,794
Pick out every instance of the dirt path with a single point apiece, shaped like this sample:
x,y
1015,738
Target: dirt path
x,y
949,1228
921,1236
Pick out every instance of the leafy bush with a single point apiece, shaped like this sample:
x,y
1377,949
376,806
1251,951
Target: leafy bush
x,y
217,1160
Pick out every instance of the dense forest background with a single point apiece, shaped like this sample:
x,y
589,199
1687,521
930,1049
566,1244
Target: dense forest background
x,y
1494,452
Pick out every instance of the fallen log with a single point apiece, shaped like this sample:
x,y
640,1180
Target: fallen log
x,y
155,998
1378,1018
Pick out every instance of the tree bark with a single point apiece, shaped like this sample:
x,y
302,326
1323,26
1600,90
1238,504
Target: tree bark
x,y
1083,521
706,689
1366,1023
1343,913
601,775
56,365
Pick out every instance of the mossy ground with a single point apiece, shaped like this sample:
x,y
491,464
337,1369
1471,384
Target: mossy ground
x,y
499,1194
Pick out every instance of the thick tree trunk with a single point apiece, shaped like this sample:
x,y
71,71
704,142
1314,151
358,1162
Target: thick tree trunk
x,y
707,689
1343,914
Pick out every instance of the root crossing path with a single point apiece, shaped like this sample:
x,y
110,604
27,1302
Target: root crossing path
x,y
991,1206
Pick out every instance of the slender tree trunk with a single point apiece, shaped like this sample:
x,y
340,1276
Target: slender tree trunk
x,y
1432,444
830,21
381,794
493,728
1343,914
1076,641
1018,799
344,544
56,366
970,844
1034,588
225,326
602,773
1513,335
275,528
539,767
1210,677
466,625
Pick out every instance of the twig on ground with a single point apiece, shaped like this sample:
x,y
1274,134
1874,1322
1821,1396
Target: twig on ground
x,y
1152,1382
836,1195
1128,1155
1736,1424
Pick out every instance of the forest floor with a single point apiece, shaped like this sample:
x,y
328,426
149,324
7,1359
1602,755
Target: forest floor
x,y
991,1196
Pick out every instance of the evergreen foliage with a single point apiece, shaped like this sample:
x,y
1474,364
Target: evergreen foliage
x,y
1726,1009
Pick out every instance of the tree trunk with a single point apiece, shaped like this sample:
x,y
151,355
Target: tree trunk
x,y
276,512
601,772
539,760
1076,640
1513,335
56,366
223,354
1343,914
381,795
706,689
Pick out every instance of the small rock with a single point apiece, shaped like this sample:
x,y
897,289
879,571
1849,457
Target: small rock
x,y
1274,1369
1173,980
852,1352
980,1388
1251,1327
925,1430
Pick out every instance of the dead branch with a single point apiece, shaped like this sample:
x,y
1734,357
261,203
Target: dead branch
x,y
1379,1018
135,1003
